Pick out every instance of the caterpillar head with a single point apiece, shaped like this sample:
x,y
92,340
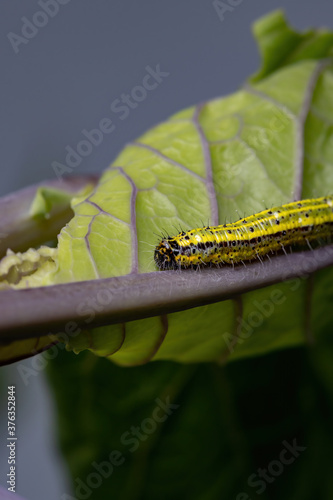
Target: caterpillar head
x,y
165,255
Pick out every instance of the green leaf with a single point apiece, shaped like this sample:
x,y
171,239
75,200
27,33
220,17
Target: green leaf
x,y
33,216
280,45
265,145
227,425
47,198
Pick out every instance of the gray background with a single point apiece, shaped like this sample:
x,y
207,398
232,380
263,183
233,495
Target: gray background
x,y
64,80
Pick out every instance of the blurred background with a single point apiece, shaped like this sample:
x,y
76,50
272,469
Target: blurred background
x,y
65,79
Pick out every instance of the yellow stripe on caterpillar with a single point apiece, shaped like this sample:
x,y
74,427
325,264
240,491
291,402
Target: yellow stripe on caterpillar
x,y
249,238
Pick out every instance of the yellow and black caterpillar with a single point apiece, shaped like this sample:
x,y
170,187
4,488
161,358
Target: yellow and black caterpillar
x,y
249,238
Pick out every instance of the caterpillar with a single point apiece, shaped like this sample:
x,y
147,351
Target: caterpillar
x,y
295,223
